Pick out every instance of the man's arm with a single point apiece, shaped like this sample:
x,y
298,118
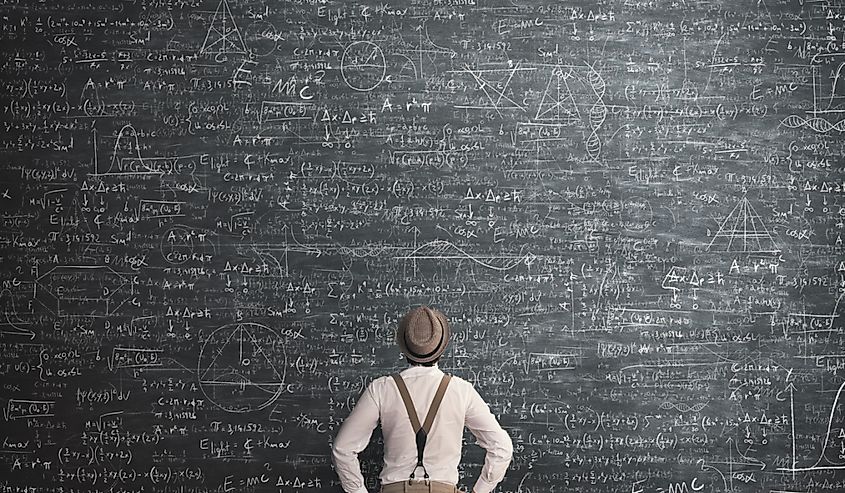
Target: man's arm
x,y
353,437
493,439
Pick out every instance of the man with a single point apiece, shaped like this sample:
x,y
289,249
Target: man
x,y
447,404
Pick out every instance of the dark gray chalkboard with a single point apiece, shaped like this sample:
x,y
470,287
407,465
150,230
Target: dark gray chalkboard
x,y
213,213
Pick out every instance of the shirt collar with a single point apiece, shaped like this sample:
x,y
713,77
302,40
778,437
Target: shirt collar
x,y
420,370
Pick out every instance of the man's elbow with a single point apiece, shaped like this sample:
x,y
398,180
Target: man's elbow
x,y
338,454
506,446
509,449
341,453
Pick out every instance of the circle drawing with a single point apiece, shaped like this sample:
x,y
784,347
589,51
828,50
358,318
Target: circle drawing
x,y
242,367
262,37
363,66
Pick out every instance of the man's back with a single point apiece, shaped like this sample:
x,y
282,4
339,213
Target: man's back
x,y
461,406
422,336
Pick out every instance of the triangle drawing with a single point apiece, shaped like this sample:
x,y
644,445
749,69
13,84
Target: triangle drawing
x,y
558,104
223,35
239,360
503,93
743,231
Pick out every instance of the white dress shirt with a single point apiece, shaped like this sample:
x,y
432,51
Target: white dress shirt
x,y
461,406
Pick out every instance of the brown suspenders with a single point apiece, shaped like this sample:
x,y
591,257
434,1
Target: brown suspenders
x,y
421,430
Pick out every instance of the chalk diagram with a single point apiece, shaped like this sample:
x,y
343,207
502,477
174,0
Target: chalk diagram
x,y
68,290
743,230
126,160
682,407
263,37
236,372
11,324
832,453
598,113
425,54
498,92
363,66
223,36
558,105
571,96
445,250
828,97
126,154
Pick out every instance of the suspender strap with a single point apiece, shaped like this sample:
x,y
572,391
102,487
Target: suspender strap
x,y
435,403
409,404
421,431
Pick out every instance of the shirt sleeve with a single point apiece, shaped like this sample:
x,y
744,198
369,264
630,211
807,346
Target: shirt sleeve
x,y
493,439
352,438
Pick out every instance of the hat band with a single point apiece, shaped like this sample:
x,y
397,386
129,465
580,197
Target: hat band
x,y
417,355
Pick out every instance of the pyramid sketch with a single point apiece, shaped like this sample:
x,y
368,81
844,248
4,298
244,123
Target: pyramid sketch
x,y
558,104
743,231
223,35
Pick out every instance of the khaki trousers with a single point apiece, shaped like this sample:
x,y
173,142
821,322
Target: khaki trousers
x,y
419,486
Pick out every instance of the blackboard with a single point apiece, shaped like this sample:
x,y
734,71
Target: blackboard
x,y
214,212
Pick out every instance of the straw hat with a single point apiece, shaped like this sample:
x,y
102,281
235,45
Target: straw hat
x,y
423,334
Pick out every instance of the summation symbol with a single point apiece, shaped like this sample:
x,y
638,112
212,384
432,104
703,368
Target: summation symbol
x,y
242,367
223,36
743,231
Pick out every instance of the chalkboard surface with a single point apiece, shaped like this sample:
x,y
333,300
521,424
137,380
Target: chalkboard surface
x,y
214,212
